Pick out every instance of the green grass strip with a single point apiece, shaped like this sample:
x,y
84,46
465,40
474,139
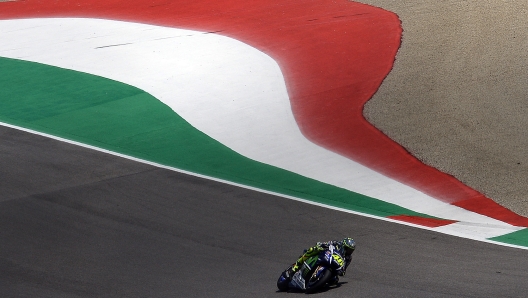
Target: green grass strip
x,y
124,119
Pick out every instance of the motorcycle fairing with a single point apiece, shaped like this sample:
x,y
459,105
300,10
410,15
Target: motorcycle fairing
x,y
297,281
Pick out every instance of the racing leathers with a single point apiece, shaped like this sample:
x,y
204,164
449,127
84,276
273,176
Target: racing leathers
x,y
319,247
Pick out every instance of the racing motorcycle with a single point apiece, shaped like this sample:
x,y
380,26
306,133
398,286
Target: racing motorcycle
x,y
315,274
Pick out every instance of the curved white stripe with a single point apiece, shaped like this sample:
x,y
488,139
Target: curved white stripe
x,y
223,87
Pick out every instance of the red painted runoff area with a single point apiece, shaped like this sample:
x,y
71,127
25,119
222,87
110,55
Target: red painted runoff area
x,y
334,55
423,221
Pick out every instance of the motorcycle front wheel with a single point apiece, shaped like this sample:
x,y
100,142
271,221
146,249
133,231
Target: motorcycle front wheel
x,y
283,283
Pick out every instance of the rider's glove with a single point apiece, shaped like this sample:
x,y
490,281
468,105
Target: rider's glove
x,y
322,244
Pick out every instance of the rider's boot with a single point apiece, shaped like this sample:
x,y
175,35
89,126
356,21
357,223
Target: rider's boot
x,y
293,268
334,281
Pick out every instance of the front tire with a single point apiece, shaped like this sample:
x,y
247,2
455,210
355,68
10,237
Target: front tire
x,y
316,285
283,283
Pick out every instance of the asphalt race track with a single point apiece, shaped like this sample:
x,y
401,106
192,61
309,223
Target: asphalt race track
x,y
80,223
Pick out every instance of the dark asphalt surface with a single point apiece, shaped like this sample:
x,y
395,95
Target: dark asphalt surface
x,y
79,223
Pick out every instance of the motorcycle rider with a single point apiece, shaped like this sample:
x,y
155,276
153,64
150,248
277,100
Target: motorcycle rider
x,y
345,248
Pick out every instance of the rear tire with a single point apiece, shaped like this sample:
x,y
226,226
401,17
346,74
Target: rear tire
x,y
319,284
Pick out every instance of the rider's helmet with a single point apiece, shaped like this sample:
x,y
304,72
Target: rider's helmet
x,y
349,245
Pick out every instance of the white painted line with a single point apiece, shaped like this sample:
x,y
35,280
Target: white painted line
x,y
464,233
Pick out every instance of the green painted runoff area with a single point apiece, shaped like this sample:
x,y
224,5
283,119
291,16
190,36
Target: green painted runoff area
x,y
516,238
124,119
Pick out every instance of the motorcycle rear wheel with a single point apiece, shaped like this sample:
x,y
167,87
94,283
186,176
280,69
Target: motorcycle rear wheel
x,y
315,285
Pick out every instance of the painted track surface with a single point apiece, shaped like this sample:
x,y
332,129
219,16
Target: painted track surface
x,y
469,198
87,224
